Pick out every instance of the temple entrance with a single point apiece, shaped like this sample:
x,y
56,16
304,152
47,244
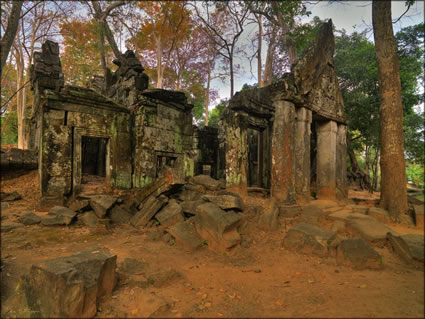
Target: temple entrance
x,y
93,164
255,157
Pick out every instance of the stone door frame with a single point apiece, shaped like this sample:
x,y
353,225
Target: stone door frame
x,y
77,155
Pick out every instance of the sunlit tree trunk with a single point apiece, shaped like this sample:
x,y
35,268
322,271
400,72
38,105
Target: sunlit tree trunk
x,y
10,32
268,70
159,62
393,169
260,47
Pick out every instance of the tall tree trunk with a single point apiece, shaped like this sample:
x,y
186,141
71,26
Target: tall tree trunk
x,y
376,168
268,70
207,97
20,100
159,62
393,169
260,47
231,76
10,33
287,39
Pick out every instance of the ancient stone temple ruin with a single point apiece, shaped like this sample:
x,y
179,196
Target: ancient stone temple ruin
x,y
290,135
283,138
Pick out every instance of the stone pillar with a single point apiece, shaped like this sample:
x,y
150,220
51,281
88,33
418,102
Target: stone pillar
x,y
236,153
326,159
341,162
302,153
283,157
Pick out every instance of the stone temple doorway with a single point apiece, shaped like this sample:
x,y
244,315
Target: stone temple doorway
x,y
93,162
255,157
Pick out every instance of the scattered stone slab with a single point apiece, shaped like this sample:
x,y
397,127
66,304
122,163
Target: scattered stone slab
x,y
207,181
9,197
7,227
29,218
132,266
186,235
62,214
79,205
130,206
190,206
356,253
52,221
163,278
119,215
225,202
409,247
370,229
69,287
217,227
308,239
311,214
102,204
170,214
88,218
347,216
149,208
379,214
270,218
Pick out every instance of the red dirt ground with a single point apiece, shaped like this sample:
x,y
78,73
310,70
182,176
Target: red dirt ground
x,y
261,279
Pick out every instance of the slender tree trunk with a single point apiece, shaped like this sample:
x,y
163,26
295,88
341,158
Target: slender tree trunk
x,y
159,62
376,168
207,98
231,76
20,100
393,169
260,47
287,39
268,70
10,33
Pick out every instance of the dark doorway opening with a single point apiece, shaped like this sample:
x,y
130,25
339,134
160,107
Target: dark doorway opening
x,y
255,157
93,167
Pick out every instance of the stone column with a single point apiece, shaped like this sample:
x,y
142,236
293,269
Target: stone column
x,y
326,159
283,157
341,162
236,153
302,153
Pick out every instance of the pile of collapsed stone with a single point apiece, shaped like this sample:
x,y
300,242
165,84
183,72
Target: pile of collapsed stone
x,y
201,212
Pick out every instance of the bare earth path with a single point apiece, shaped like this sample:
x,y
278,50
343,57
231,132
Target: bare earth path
x,y
261,279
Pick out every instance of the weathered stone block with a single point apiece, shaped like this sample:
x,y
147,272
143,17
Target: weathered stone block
x,y
379,214
186,235
78,282
206,181
358,254
409,247
29,218
119,215
102,204
62,214
88,218
217,227
269,218
190,206
148,210
309,239
170,214
225,201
